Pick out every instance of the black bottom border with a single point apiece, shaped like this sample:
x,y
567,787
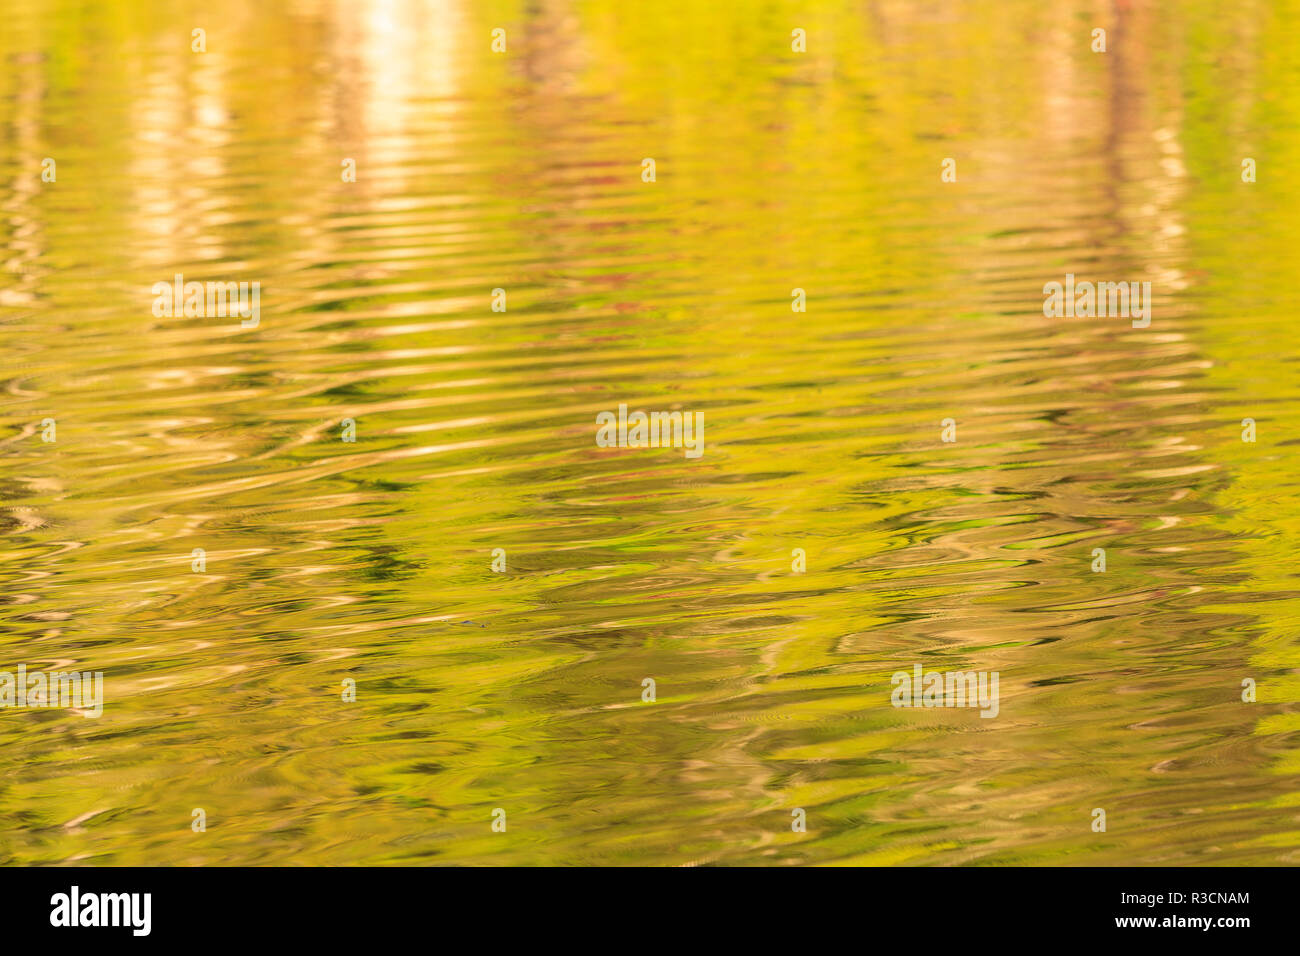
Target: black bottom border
x,y
910,905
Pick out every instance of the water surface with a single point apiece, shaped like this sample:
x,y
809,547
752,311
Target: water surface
x,y
372,560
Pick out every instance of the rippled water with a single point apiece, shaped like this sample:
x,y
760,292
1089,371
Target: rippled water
x,y
328,560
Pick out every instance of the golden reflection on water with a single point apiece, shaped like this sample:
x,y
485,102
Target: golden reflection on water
x,y
328,560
